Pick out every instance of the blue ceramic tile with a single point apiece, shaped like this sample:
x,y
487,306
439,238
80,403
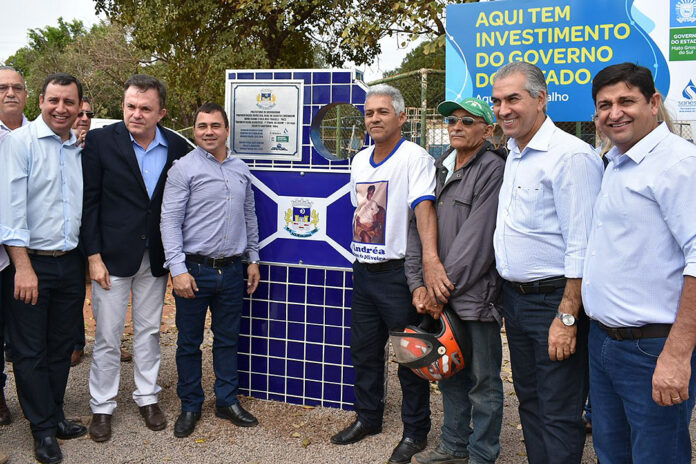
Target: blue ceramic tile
x,y
315,295
322,78
315,314
315,333
232,76
306,114
313,371
283,75
259,346
312,389
279,273
296,313
296,274
261,395
330,404
315,276
273,397
264,75
243,345
306,76
276,384
259,327
296,331
333,316
346,357
263,271
348,298
332,374
307,98
348,395
321,94
259,382
346,336
259,365
305,136
358,94
341,77
348,375
312,402
259,309
348,279
296,293
277,311
340,94
243,363
276,366
277,329
244,326
346,315
295,350
334,278
278,292
245,75
334,297
332,392
294,400
332,354
315,352
294,387
261,292
333,335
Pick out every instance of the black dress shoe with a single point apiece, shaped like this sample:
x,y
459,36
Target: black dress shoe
x,y
47,451
237,415
68,430
354,433
405,450
186,423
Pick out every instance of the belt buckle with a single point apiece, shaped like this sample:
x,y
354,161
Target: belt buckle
x,y
214,263
617,334
521,288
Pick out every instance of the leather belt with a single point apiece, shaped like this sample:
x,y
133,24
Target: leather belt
x,y
52,253
212,262
548,285
392,264
635,333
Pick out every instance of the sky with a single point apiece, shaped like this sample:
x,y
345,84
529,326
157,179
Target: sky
x,y
20,16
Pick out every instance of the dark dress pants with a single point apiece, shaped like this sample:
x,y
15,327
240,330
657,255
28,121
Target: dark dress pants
x,y
3,309
551,393
381,302
43,337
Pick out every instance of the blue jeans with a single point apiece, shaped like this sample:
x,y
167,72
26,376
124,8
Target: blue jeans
x,y
475,395
222,291
551,393
627,425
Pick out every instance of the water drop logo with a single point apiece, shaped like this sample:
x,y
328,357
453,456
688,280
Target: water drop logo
x,y
686,11
689,91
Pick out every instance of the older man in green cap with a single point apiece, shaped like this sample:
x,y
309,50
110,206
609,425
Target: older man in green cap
x,y
468,180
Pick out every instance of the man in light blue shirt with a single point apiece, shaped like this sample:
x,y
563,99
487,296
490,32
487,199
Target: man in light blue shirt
x,y
208,226
550,182
640,278
40,213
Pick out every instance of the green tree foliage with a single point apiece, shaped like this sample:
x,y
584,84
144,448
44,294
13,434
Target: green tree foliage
x,y
426,56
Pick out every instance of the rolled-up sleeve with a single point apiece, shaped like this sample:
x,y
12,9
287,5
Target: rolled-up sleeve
x,y
174,201
14,175
575,190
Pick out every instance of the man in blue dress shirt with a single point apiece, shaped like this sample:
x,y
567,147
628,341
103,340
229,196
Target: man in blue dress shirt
x,y
208,227
640,278
550,183
40,213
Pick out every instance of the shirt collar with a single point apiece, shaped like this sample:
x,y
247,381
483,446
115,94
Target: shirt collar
x,y
4,127
540,141
209,155
643,147
159,139
43,131
450,161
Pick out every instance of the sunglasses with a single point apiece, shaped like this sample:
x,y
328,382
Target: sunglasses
x,y
89,114
466,120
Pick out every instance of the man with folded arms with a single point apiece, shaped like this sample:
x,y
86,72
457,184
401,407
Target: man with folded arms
x,y
208,226
544,211
40,213
639,284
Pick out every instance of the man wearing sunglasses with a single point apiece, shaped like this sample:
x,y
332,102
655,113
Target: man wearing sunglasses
x,y
83,121
468,180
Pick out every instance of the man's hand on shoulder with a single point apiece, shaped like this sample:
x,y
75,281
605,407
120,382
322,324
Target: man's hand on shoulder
x,y
184,285
98,271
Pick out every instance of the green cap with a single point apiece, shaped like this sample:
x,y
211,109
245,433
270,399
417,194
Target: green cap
x,y
475,106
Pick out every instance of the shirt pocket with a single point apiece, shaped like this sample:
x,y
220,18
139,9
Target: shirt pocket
x,y
527,209
461,208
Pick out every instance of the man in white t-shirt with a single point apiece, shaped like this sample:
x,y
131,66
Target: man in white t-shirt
x,y
389,181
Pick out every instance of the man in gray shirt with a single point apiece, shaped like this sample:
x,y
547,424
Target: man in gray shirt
x,y
208,225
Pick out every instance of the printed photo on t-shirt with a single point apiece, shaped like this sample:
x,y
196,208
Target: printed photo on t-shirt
x,y
370,216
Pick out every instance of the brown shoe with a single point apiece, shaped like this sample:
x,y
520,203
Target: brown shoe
x,y
100,427
126,357
3,458
154,417
5,416
76,357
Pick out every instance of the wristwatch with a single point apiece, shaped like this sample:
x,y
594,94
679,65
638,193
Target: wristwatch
x,y
568,320
253,262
